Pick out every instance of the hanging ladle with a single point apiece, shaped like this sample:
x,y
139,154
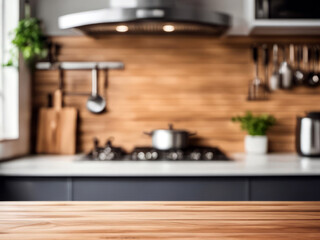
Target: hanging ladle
x,y
95,104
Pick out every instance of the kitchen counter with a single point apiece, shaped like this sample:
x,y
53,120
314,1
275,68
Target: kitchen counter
x,y
243,165
159,220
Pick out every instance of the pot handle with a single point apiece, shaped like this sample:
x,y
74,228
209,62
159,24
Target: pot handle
x,y
148,133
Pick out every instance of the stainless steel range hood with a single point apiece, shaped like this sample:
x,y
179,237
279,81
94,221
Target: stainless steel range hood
x,y
147,16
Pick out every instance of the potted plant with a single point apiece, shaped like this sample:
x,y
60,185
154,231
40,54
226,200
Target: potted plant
x,y
256,142
29,40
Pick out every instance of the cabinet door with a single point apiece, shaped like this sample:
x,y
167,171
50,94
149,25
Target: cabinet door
x,y
35,189
285,189
159,189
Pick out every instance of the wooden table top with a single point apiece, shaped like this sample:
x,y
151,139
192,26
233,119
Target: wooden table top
x,y
159,220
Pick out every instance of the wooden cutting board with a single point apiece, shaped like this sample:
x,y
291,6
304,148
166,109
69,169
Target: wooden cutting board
x,y
57,128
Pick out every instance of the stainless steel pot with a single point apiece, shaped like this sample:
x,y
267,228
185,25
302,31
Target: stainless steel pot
x,y
167,139
308,135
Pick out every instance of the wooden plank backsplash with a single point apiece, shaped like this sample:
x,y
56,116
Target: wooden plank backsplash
x,y
195,82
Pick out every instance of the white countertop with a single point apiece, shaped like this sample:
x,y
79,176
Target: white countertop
x,y
243,165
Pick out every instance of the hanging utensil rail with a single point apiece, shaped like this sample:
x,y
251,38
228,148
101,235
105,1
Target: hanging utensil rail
x,y
79,65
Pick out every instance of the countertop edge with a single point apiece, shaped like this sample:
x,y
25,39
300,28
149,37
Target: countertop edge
x,y
271,165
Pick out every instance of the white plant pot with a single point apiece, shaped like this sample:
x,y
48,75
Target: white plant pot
x,y
256,144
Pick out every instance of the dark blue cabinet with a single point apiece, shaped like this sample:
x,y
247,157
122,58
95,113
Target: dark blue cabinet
x,y
35,189
300,188
285,189
160,189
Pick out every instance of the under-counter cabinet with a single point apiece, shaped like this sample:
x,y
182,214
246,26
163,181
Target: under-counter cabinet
x,y
35,189
160,189
285,189
300,188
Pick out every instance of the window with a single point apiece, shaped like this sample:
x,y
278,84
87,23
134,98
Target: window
x,y
9,76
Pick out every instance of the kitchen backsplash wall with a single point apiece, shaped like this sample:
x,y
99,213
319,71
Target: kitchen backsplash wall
x,y
195,82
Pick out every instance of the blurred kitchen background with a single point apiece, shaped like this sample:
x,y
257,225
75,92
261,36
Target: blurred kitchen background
x,y
197,82
170,76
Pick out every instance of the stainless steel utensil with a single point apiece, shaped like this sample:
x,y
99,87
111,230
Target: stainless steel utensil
x,y
308,135
266,65
167,139
313,79
286,72
274,81
95,104
257,90
299,74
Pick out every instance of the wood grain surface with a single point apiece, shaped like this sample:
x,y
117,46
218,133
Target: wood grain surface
x,y
159,220
195,82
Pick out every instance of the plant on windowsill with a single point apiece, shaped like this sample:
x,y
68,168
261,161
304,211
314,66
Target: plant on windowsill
x,y
256,142
29,40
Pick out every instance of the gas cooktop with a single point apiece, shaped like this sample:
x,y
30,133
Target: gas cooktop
x,y
192,153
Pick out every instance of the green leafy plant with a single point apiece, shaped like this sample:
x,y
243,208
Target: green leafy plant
x,y
255,125
29,40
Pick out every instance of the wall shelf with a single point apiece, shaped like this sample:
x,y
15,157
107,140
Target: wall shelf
x,y
79,65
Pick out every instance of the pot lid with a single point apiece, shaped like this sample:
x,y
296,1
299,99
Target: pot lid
x,y
171,129
147,16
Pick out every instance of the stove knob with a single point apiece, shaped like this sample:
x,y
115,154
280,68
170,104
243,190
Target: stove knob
x,y
110,156
148,156
174,156
209,155
180,155
195,156
134,156
107,150
141,156
154,155
102,156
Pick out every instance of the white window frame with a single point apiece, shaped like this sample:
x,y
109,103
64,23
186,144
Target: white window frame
x,y
9,76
